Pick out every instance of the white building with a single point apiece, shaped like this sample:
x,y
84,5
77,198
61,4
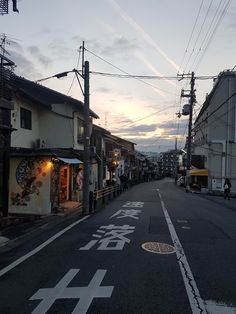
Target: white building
x,y
215,132
46,149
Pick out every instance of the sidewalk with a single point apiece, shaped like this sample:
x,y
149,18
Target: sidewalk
x,y
218,199
14,229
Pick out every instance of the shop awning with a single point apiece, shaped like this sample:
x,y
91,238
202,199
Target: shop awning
x,y
199,172
70,160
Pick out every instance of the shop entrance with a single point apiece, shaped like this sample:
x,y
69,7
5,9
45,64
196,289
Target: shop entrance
x,y
64,183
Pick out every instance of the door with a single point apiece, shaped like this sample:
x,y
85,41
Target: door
x,y
64,183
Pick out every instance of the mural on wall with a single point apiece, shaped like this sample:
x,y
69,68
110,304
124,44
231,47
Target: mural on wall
x,y
29,175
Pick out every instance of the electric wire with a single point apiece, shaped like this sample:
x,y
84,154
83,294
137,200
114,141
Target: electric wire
x,y
149,77
126,73
216,25
191,35
74,76
200,49
143,118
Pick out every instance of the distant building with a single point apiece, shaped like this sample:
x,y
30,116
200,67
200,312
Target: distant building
x,y
169,162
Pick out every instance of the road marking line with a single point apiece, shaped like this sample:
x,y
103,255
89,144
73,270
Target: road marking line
x,y
20,260
182,221
195,300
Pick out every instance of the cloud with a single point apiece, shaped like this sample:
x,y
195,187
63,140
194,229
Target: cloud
x,y
24,66
103,90
35,52
45,31
153,144
170,124
171,129
142,32
120,45
59,48
143,128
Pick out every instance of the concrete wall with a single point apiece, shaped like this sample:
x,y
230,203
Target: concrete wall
x,y
57,130
220,135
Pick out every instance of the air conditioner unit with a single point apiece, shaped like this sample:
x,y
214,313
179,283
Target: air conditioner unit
x,y
40,143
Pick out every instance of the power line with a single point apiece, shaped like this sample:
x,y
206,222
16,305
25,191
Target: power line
x,y
191,35
216,25
148,77
143,118
74,76
126,73
199,33
220,106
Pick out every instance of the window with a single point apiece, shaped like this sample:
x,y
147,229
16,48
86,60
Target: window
x,y
25,119
80,131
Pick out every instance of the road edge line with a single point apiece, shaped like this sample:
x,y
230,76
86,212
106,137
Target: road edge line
x,y
20,260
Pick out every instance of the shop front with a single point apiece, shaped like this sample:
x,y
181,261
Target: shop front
x,y
41,185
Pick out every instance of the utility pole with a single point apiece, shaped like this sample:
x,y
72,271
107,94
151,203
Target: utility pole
x,y
86,139
192,99
191,103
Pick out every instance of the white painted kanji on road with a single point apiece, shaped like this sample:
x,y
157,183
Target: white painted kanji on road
x,y
133,204
62,291
110,237
124,213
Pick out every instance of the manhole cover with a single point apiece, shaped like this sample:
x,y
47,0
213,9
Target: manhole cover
x,y
159,248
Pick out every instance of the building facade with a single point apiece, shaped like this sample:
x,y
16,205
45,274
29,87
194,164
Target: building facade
x,y
46,156
215,132
169,162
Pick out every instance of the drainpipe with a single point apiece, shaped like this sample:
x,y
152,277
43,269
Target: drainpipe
x,y
223,143
229,136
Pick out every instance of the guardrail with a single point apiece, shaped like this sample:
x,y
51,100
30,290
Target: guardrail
x,y
103,196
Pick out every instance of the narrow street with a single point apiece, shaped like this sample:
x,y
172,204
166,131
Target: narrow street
x,y
103,263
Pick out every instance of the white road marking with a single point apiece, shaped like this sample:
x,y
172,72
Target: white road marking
x,y
186,227
113,239
3,241
196,302
133,204
182,221
124,213
20,260
84,294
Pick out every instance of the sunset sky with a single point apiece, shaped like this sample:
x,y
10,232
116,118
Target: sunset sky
x,y
137,37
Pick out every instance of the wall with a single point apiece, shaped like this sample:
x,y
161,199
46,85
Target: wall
x,y
22,137
221,134
29,186
56,129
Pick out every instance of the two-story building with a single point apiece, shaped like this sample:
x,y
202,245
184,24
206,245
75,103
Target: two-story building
x,y
46,159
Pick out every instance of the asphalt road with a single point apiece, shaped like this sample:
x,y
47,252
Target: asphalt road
x,y
98,263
